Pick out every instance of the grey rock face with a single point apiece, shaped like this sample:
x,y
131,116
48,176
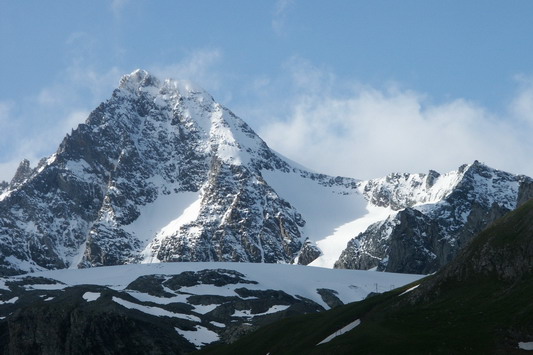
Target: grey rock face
x,y
308,253
22,174
74,329
330,297
428,231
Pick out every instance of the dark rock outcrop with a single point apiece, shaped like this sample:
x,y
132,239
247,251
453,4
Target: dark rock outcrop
x,y
23,173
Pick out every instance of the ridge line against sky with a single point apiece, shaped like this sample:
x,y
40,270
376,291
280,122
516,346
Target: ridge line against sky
x,y
354,88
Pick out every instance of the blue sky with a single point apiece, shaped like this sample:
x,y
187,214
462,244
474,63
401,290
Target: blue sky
x,y
358,88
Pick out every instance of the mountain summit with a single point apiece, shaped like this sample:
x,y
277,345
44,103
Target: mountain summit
x,y
159,172
162,172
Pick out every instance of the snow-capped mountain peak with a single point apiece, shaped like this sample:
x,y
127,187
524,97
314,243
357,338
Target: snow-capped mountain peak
x,y
141,80
159,172
400,190
137,80
224,134
166,93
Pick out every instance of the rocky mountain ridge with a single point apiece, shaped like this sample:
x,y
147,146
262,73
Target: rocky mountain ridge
x,y
162,172
435,216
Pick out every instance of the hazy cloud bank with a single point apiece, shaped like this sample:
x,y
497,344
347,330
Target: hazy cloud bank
x,y
366,132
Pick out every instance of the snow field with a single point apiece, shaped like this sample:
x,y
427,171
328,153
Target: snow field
x,y
91,296
341,331
526,345
200,336
296,280
154,311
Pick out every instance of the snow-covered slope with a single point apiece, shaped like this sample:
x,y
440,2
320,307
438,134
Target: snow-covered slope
x,y
200,302
413,223
296,280
332,212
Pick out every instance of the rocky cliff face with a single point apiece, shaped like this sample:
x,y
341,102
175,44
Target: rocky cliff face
x,y
435,216
504,251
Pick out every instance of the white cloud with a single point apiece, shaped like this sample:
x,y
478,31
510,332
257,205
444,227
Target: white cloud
x,y
260,83
37,144
7,124
73,120
308,78
7,170
196,66
372,132
5,115
279,18
99,84
522,104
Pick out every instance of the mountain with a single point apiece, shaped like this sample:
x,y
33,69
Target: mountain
x,y
433,216
170,308
161,172
480,303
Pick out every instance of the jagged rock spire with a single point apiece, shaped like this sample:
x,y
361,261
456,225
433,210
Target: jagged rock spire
x,y
24,171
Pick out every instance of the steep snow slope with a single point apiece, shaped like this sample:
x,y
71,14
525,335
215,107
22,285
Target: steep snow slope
x,y
333,215
412,223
